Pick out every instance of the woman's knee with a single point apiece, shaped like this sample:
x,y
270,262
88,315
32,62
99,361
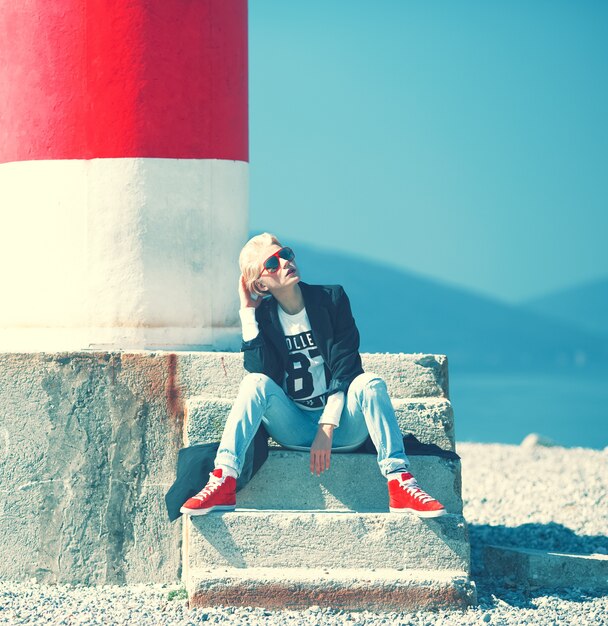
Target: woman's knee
x,y
255,382
367,382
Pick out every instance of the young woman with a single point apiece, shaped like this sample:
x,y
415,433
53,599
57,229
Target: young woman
x,y
306,383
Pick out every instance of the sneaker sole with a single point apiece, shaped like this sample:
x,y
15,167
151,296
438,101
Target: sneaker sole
x,y
217,507
438,513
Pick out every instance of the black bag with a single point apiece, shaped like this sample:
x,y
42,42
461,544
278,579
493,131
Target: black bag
x,y
195,463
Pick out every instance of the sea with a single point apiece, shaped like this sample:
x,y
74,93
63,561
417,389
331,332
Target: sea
x,y
569,408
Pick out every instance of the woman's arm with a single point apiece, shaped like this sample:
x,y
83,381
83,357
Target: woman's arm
x,y
252,344
333,409
320,450
248,323
258,356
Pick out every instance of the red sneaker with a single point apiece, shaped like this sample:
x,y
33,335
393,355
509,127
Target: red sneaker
x,y
405,496
219,494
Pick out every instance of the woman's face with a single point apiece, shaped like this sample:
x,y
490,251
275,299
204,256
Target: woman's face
x,y
286,276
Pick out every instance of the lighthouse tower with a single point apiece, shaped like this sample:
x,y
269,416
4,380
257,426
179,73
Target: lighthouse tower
x,y
123,173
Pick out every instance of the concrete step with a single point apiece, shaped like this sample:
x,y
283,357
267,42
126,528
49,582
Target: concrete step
x,y
325,539
352,482
430,419
406,375
410,375
350,589
527,568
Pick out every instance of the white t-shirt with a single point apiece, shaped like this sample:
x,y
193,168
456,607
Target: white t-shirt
x,y
305,380
335,402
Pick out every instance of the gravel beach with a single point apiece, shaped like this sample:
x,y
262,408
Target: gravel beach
x,y
535,497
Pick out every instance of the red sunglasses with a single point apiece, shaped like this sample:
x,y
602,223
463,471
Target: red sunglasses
x,y
272,263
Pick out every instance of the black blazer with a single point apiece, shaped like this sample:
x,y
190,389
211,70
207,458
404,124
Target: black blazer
x,y
334,329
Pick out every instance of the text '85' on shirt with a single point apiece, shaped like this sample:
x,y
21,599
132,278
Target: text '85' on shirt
x,y
305,380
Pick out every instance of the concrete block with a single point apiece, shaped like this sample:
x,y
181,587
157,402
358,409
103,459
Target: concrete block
x,y
540,568
204,419
410,375
218,374
88,448
352,482
89,445
325,539
430,420
349,589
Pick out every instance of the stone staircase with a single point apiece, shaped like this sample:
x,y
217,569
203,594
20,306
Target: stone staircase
x,y
297,539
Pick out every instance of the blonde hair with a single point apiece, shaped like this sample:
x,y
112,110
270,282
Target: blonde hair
x,y
249,259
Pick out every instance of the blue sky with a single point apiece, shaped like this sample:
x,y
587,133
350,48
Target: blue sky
x,y
464,141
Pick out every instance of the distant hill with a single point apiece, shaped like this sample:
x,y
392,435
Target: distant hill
x,y
584,306
399,311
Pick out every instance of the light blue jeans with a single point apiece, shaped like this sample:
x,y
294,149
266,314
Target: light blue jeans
x,y
367,410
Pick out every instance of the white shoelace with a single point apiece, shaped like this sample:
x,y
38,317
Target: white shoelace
x,y
411,486
210,487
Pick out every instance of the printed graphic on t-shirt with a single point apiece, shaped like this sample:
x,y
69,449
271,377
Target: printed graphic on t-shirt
x,y
305,375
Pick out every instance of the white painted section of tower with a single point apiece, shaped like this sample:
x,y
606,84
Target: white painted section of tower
x,y
137,253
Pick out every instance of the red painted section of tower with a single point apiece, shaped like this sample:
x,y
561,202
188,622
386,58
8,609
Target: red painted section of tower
x,y
83,79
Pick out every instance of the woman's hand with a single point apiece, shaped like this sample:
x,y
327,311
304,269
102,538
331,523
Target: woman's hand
x,y
245,296
320,451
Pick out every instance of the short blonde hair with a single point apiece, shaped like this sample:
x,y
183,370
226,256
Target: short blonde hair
x,y
249,259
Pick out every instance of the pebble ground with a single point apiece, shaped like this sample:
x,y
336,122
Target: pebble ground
x,y
538,497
